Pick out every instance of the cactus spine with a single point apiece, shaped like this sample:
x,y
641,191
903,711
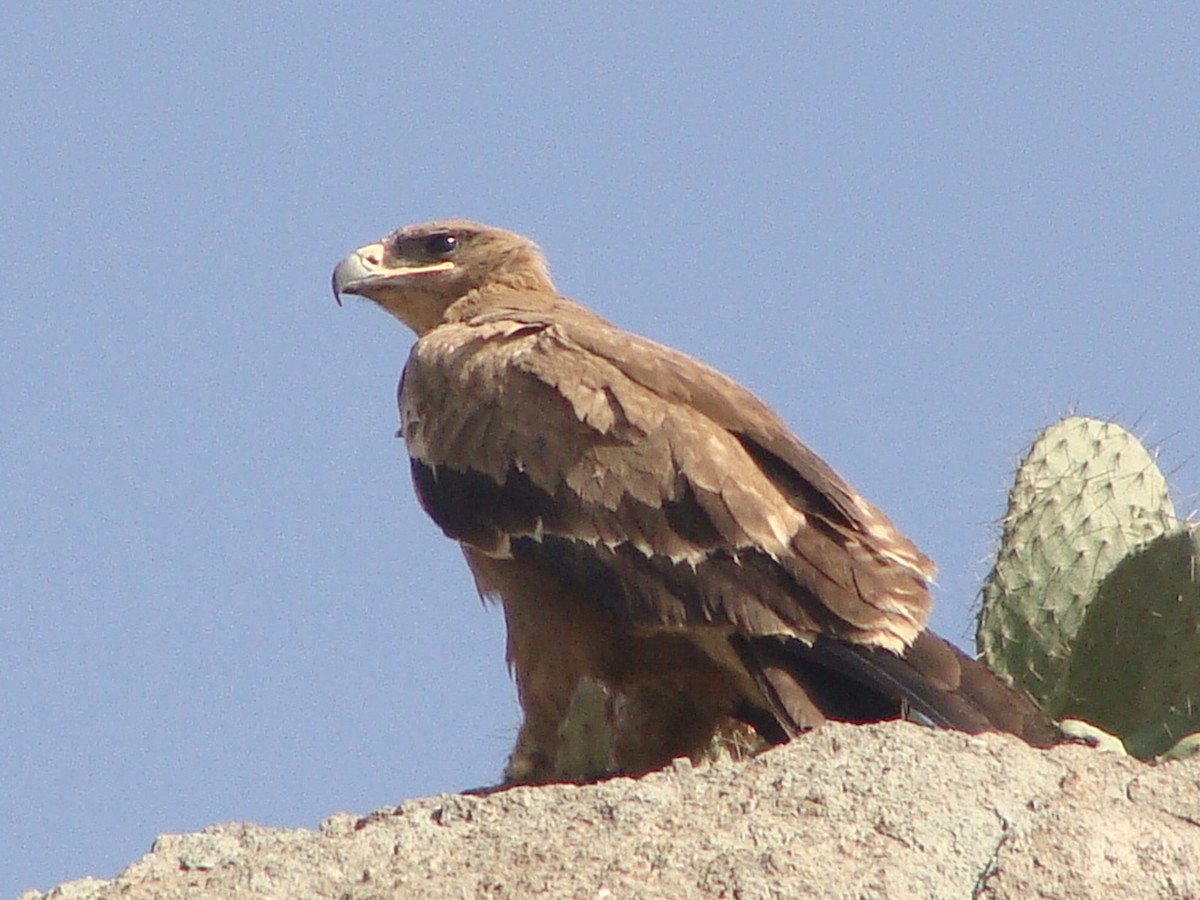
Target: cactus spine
x,y
1093,606
1135,667
1086,495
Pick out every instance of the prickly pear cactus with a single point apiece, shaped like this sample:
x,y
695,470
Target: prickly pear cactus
x,y
1185,747
1135,663
1085,496
585,735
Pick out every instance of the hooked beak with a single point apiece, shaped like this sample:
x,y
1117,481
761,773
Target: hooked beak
x,y
356,270
364,269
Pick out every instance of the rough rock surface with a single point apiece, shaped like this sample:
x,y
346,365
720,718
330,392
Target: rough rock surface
x,y
891,810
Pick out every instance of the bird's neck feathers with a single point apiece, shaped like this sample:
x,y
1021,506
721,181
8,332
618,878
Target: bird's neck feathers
x,y
519,282
520,269
516,290
422,311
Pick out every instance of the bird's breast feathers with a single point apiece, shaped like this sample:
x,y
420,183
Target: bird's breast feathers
x,y
532,431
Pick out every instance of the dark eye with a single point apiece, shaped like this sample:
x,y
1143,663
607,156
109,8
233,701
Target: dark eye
x,y
441,244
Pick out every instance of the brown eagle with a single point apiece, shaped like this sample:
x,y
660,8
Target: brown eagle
x,y
649,524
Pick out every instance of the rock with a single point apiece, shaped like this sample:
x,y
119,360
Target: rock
x,y
888,811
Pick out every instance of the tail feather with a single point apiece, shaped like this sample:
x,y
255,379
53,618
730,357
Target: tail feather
x,y
854,683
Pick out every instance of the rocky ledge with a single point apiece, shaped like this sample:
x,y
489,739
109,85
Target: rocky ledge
x,y
892,810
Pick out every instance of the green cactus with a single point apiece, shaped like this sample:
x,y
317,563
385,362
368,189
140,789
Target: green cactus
x,y
1187,746
585,735
1135,664
1085,496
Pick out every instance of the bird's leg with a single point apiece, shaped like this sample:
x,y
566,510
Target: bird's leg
x,y
546,689
555,642
671,699
655,723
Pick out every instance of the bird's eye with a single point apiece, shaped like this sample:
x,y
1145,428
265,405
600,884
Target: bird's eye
x,y
442,244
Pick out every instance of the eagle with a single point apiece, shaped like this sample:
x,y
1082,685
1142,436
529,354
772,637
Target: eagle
x,y
649,525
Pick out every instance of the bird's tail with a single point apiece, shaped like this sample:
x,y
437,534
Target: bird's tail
x,y
831,679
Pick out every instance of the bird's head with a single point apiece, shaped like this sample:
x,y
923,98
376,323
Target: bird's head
x,y
417,273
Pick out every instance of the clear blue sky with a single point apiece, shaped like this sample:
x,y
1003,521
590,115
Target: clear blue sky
x,y
920,235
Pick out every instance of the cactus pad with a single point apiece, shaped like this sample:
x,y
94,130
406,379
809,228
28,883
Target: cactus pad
x,y
1135,666
1086,495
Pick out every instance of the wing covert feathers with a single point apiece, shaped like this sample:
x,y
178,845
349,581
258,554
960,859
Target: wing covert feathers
x,y
648,525
541,433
